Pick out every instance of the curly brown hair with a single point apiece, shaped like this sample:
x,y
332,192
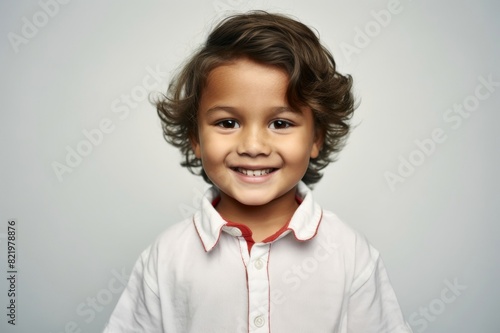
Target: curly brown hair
x,y
272,39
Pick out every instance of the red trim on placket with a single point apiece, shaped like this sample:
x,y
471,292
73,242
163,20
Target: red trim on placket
x,y
269,289
245,233
248,289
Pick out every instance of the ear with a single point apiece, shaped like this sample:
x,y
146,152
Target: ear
x,y
319,138
195,145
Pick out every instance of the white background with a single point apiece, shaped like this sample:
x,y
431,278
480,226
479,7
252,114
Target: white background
x,y
437,225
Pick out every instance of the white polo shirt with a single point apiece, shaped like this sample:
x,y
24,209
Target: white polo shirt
x,y
316,275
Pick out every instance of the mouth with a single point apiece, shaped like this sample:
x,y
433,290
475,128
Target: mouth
x,y
254,172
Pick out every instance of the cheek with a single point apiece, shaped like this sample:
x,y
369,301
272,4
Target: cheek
x,y
301,146
213,152
297,152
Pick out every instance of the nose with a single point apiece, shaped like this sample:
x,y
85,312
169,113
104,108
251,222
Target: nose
x,y
254,141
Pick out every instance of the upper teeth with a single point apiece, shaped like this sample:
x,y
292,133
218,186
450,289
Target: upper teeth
x,y
255,172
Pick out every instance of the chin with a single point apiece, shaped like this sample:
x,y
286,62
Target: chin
x,y
252,200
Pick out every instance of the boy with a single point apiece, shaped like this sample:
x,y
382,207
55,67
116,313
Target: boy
x,y
259,109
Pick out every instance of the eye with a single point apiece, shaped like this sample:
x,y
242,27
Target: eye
x,y
280,124
228,123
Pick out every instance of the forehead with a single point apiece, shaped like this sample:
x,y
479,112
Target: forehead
x,y
244,80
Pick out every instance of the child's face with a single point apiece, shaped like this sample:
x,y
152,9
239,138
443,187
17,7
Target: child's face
x,y
253,147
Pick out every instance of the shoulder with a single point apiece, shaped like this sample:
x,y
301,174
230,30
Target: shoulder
x,y
352,245
331,225
179,236
175,243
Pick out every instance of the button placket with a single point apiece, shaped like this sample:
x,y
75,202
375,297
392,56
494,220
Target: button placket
x,y
258,288
259,263
259,321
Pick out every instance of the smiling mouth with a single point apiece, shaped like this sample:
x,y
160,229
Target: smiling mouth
x,y
254,173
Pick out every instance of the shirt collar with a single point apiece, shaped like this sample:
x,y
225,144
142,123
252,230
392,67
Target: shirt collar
x,y
304,223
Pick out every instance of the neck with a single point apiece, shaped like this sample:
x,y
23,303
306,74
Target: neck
x,y
263,220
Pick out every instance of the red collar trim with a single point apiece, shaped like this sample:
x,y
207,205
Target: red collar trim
x,y
278,233
247,233
304,224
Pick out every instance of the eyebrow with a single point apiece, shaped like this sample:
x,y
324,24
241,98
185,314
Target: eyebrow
x,y
230,109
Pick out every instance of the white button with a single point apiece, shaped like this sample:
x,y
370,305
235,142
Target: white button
x,y
259,321
233,231
259,263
